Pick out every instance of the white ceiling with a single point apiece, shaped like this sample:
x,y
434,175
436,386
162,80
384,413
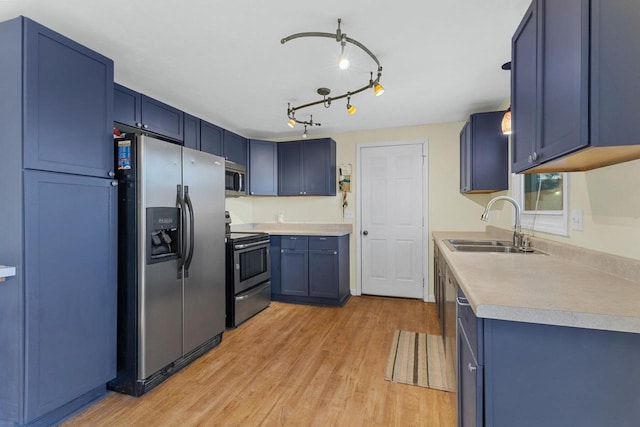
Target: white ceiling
x,y
223,60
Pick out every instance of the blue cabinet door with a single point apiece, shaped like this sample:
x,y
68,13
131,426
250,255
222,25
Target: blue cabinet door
x,y
524,104
484,154
319,167
211,137
126,106
235,148
323,273
161,118
263,168
70,256
290,169
68,105
470,385
191,132
465,154
563,67
294,272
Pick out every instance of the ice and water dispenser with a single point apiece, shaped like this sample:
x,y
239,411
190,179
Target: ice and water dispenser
x,y
163,240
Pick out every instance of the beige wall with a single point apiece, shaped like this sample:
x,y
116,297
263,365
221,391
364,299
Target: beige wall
x,y
610,200
609,197
448,209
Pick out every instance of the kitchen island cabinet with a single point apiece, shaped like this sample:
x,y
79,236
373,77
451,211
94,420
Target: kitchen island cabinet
x,y
313,270
59,216
543,347
575,97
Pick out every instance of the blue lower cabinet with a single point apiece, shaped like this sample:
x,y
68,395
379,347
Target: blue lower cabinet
x,y
70,289
294,270
530,375
313,270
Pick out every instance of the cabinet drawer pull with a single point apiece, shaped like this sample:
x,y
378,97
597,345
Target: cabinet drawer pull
x,y
322,238
472,368
462,302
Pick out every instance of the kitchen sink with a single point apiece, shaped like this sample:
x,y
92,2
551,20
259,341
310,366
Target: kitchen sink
x,y
484,246
480,242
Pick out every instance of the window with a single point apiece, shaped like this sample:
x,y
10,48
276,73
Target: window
x,y
544,201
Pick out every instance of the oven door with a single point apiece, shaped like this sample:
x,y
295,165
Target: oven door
x,y
251,265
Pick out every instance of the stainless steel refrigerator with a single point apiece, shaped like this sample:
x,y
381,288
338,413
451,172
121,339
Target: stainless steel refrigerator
x,y
171,274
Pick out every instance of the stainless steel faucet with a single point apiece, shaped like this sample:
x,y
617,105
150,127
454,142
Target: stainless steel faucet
x,y
517,233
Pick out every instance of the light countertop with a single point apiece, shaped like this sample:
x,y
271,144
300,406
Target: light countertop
x,y
6,271
546,289
284,229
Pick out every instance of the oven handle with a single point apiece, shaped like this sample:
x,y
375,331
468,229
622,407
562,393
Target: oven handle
x,y
250,245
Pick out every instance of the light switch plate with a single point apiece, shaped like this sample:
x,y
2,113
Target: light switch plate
x,y
576,220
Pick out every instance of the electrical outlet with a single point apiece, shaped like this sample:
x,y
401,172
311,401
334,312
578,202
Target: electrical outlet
x,y
348,214
576,220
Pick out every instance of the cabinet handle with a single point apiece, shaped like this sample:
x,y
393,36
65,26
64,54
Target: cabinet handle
x,y
145,126
322,238
114,183
111,174
139,124
293,238
534,156
335,253
304,192
252,193
472,368
300,192
462,302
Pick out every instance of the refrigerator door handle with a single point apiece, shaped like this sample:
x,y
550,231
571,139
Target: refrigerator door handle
x,y
192,227
182,233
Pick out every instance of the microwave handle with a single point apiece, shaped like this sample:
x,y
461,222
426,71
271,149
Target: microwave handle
x,y
240,183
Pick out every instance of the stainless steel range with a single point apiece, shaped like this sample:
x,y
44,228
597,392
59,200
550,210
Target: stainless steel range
x,y
248,276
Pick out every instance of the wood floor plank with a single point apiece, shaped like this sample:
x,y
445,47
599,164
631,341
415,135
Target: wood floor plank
x,y
293,365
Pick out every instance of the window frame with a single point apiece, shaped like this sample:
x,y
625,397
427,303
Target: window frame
x,y
551,222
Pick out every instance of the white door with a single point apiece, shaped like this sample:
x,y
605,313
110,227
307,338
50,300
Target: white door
x,y
392,220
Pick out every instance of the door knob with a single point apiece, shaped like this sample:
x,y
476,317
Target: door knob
x,y
365,232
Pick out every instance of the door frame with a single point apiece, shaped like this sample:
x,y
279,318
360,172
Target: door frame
x,y
426,296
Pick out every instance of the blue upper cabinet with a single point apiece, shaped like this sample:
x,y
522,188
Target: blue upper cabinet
x,y
263,168
572,89
307,168
127,109
68,105
140,111
191,132
484,157
235,148
211,137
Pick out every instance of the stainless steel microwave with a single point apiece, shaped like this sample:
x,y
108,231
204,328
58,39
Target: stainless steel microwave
x,y
235,179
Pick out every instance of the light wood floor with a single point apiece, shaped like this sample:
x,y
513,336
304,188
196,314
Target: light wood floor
x,y
293,365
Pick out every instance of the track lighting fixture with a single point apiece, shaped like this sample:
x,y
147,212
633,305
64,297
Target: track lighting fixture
x,y
343,64
350,108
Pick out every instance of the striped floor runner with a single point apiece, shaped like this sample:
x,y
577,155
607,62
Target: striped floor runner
x,y
419,359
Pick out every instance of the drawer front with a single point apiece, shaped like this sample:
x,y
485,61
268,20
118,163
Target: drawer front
x,y
471,325
322,243
294,242
251,302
